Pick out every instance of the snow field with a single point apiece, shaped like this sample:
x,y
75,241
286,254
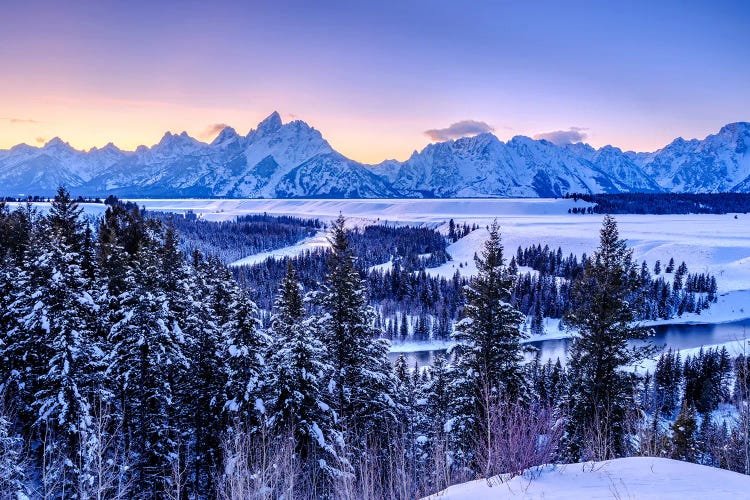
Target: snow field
x,y
638,478
718,244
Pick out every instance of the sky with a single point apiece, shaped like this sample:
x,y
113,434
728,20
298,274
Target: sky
x,y
378,79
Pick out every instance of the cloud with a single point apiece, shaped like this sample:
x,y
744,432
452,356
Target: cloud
x,y
41,140
212,130
458,130
20,121
562,137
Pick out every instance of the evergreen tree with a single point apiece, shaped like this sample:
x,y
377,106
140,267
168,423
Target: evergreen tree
x,y
297,387
667,382
202,389
670,266
362,387
489,352
244,349
146,360
436,412
57,341
684,445
600,395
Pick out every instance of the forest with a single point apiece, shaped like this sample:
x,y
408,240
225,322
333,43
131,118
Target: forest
x,y
132,369
411,304
663,203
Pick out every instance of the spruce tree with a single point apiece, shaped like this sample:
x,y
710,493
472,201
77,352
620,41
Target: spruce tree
x,y
297,385
684,443
57,341
146,360
489,352
203,387
600,395
362,387
245,348
436,396
670,266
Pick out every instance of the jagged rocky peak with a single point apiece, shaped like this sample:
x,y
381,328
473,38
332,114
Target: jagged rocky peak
x,y
270,124
226,135
109,147
735,128
176,143
57,144
293,159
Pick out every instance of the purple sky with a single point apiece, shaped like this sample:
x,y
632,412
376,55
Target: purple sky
x,y
379,79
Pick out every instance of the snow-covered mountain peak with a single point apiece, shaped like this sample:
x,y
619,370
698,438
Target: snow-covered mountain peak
x,y
109,147
57,144
293,159
270,124
523,140
735,129
586,150
176,144
227,135
23,148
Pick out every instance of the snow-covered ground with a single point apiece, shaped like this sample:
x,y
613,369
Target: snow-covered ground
x,y
92,210
718,244
432,345
413,211
733,347
637,478
320,240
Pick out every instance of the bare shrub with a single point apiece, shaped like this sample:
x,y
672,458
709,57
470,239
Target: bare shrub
x,y
519,437
104,468
598,438
260,465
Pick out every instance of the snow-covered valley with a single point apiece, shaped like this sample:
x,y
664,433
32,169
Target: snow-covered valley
x,y
716,244
719,244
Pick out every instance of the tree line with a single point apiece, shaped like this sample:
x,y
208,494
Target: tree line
x,y
663,203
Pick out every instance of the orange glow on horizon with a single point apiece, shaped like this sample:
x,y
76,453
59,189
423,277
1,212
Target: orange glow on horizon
x,y
97,120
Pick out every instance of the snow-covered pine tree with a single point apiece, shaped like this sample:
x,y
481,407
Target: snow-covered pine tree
x,y
684,444
57,337
362,387
245,349
489,353
434,411
9,321
667,383
202,388
670,266
17,357
144,365
121,235
296,385
601,395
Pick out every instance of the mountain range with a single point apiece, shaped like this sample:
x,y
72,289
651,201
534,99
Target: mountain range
x,y
293,160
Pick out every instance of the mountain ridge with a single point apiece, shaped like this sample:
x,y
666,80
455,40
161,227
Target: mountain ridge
x,y
293,160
